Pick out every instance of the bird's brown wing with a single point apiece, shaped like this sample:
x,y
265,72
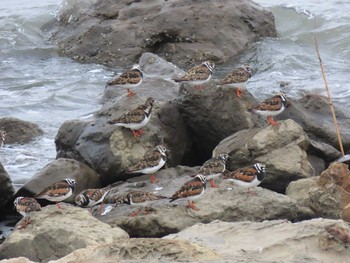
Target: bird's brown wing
x,y
246,174
151,159
28,204
197,73
212,166
273,103
95,194
134,116
56,189
191,188
129,77
237,76
141,196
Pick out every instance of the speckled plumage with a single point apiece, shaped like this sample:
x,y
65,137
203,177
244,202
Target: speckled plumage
x,y
137,118
272,106
192,189
238,75
91,197
250,176
57,191
214,166
198,74
130,78
141,197
151,162
2,137
25,205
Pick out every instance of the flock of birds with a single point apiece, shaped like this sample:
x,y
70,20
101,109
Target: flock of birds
x,y
155,159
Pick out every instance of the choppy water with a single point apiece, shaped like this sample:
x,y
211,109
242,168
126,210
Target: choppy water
x,y
39,86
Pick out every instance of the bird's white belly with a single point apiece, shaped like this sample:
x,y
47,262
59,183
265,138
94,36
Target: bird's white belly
x,y
135,126
253,183
270,113
150,170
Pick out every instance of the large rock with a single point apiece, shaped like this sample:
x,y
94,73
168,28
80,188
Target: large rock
x,y
6,188
116,33
312,112
19,131
139,250
213,113
58,170
54,233
317,240
157,81
281,148
326,195
228,203
110,150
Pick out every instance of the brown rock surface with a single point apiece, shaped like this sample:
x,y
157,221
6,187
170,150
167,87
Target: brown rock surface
x,y
317,240
58,170
19,131
281,148
117,33
54,233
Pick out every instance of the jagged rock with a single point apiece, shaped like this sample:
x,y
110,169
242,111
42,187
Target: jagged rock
x,y
317,240
19,131
58,170
312,112
6,188
117,33
142,250
110,150
281,148
213,112
326,195
228,203
54,233
157,82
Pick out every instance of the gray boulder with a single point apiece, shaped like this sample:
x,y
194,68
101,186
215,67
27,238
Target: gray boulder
x,y
312,112
117,33
317,240
19,131
227,203
58,170
157,82
281,148
213,112
110,150
6,188
54,233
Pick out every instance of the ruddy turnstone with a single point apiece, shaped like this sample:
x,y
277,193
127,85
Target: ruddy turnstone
x,y
213,168
129,79
238,76
271,107
198,75
136,119
250,176
58,191
140,198
191,190
91,197
151,162
25,205
2,137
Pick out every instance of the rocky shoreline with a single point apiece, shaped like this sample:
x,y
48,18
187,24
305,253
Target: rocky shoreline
x,y
299,213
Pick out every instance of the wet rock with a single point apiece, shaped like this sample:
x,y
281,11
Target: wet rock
x,y
317,240
117,33
281,148
110,150
58,170
312,112
143,250
213,112
6,188
325,196
227,203
157,81
54,233
19,131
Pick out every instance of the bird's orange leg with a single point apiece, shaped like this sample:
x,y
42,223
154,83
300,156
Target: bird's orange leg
x,y
192,205
212,183
239,92
153,179
130,93
271,121
137,133
26,221
135,213
58,205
